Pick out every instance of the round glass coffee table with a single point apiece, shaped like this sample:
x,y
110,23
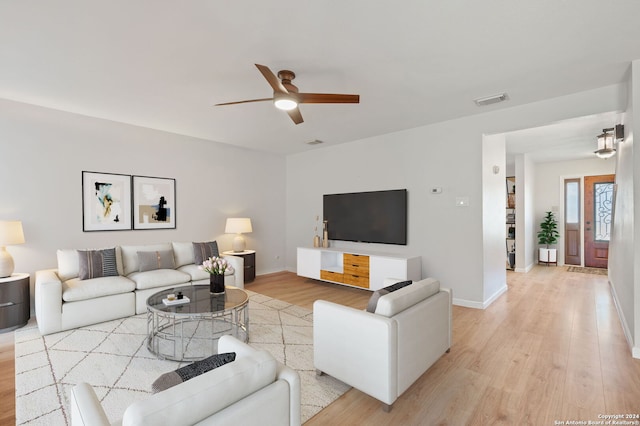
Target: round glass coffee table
x,y
190,331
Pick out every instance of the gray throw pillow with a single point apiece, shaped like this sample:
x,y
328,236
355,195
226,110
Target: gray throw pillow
x,y
373,300
97,263
151,260
190,371
203,251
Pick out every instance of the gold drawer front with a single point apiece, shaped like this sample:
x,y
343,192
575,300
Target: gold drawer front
x,y
355,269
356,280
336,277
356,259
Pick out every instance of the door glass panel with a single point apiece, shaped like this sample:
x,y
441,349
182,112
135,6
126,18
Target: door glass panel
x,y
603,199
572,202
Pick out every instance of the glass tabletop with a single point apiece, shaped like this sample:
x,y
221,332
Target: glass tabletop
x,y
200,300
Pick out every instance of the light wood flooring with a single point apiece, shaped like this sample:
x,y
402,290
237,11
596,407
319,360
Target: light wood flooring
x,y
550,349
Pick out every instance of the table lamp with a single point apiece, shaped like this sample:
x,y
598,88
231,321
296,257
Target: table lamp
x,y
238,226
10,234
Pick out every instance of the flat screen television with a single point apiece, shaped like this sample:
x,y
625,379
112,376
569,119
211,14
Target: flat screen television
x,y
368,217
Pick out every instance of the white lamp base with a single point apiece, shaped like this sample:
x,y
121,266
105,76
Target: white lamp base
x,y
6,263
239,244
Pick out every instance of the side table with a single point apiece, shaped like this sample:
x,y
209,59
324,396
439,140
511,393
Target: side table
x,y
249,257
15,306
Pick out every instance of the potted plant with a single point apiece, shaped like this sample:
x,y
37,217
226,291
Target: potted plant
x,y
216,267
548,235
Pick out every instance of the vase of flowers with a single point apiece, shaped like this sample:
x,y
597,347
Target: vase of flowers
x,y
216,267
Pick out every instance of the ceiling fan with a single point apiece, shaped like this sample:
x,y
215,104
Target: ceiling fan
x,y
286,96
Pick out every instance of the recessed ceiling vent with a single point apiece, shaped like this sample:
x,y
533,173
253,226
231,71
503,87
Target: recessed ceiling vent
x,y
493,99
315,142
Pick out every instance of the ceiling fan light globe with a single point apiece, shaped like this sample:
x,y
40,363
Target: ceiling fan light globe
x,y
285,104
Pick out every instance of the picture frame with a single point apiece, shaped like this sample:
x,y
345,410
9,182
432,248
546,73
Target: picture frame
x,y
154,202
106,201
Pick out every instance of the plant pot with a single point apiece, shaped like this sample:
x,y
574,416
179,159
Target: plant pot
x,y
547,256
216,284
543,255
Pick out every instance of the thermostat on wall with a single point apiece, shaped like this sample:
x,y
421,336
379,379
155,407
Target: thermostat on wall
x,y
437,190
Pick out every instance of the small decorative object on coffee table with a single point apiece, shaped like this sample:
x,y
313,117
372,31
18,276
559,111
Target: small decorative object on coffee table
x,y
216,267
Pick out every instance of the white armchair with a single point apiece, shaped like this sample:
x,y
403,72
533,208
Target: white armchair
x,y
252,390
383,353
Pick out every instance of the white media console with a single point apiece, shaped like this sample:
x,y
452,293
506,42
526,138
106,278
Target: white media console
x,y
356,268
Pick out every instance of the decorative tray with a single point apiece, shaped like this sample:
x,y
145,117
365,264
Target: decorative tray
x,y
168,302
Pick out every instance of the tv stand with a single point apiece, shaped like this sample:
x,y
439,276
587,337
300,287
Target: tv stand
x,y
356,268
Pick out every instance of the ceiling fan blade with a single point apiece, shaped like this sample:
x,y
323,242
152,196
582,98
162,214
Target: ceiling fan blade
x,y
274,81
244,102
327,98
295,115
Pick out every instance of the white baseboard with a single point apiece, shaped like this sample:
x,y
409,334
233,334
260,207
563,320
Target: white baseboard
x,y
480,305
635,350
526,269
467,303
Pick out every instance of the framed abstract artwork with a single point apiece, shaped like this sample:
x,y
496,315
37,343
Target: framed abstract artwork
x,y
106,202
154,203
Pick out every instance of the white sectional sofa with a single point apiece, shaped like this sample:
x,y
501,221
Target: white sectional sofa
x,y
255,389
64,301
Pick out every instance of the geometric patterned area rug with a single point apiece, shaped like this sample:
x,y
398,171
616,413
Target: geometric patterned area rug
x,y
113,358
588,270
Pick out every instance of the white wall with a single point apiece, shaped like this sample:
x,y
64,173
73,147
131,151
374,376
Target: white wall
x,y
43,153
447,155
494,205
549,192
525,227
625,240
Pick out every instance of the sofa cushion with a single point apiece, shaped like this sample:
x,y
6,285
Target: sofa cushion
x,y
203,251
69,263
152,260
182,374
182,253
396,302
158,278
97,263
373,300
198,274
75,289
130,255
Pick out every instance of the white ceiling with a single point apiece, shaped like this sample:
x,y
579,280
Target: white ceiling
x,y
163,64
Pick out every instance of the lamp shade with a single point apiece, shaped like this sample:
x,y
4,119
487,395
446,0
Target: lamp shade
x,y
11,233
238,225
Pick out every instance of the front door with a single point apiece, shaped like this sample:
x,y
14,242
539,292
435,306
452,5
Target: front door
x,y
598,205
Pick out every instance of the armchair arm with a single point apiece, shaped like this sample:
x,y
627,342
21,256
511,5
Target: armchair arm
x,y
237,263
48,300
293,379
86,408
356,347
